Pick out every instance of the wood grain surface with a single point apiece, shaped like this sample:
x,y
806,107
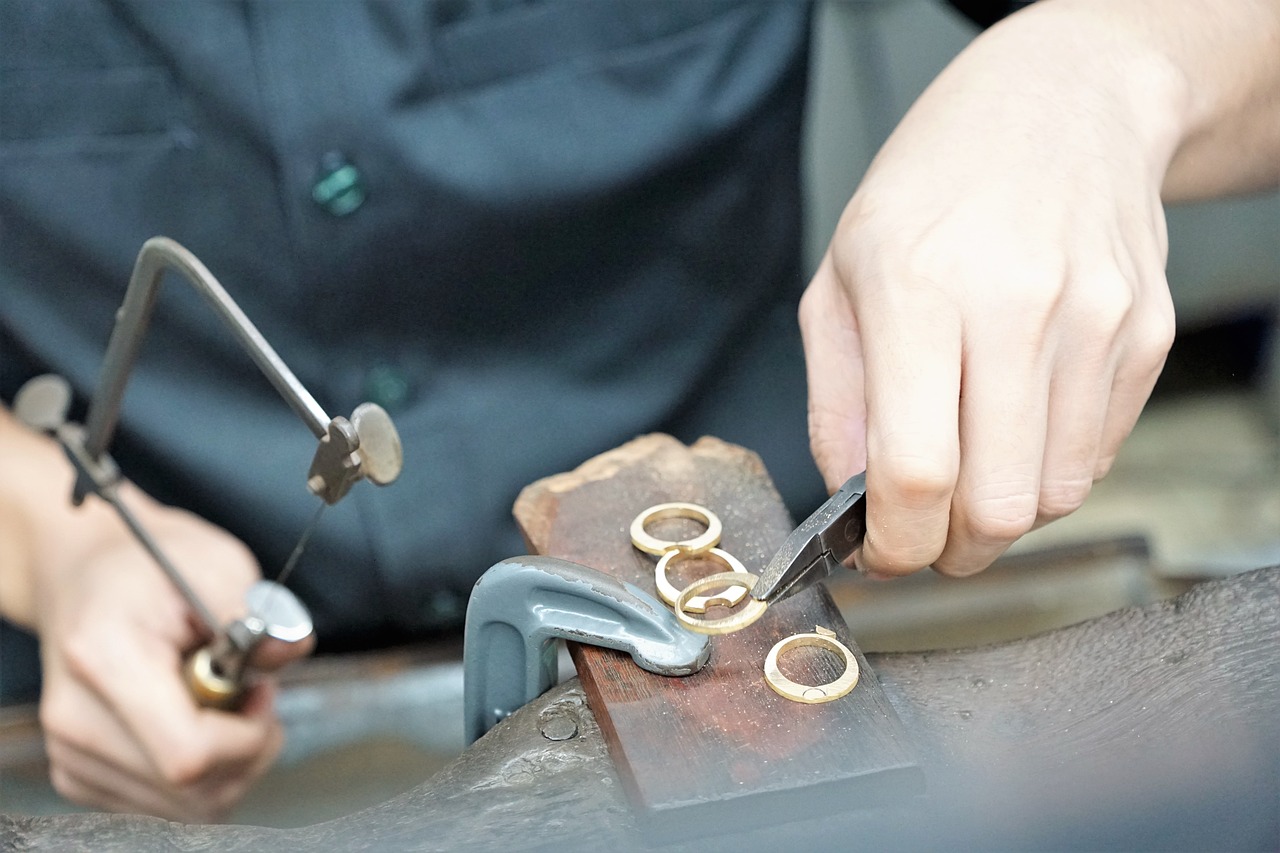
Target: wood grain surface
x,y
719,744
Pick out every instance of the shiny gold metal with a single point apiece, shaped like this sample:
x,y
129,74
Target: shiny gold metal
x,y
699,604
208,686
823,638
651,544
750,612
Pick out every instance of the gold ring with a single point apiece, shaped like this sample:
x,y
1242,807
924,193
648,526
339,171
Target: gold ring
x,y
698,604
823,638
753,610
650,544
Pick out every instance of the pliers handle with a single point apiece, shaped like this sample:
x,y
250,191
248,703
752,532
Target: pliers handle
x,y
821,543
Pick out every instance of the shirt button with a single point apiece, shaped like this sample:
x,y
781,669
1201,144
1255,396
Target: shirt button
x,y
338,189
387,386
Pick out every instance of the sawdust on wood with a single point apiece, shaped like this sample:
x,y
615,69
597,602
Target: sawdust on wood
x,y
665,456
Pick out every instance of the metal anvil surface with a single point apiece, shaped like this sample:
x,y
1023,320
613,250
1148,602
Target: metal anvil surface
x,y
1151,727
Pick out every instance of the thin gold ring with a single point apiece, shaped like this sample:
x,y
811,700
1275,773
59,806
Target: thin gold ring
x,y
753,610
699,604
823,638
651,544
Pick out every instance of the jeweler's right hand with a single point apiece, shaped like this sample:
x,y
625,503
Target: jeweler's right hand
x,y
992,312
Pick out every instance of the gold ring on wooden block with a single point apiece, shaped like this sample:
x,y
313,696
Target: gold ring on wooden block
x,y
651,544
752,611
822,638
699,604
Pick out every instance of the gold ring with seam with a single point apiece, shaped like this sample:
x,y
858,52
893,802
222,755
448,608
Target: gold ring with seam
x,y
699,604
651,544
750,612
811,694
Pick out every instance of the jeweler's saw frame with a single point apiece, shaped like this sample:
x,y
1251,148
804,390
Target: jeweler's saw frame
x,y
365,446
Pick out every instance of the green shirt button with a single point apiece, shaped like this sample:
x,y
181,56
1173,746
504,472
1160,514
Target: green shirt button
x,y
338,189
387,386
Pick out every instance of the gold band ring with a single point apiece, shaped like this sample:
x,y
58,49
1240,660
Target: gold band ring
x,y
822,638
752,611
699,604
651,544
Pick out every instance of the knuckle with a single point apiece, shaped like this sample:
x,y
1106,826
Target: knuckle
x,y
63,782
220,802
915,481
1033,289
53,721
1002,520
903,559
1103,466
1153,337
1026,284
183,766
1110,299
81,654
961,569
809,308
59,720
1060,498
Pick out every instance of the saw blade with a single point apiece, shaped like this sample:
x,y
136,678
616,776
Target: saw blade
x,y
296,555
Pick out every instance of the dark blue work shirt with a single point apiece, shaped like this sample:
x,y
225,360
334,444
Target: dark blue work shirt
x,y
531,230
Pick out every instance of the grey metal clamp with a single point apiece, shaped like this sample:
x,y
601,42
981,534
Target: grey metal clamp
x,y
522,605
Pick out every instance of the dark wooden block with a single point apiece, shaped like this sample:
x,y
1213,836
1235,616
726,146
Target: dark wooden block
x,y
719,745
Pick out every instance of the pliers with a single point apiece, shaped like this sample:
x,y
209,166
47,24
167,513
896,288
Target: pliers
x,y
821,543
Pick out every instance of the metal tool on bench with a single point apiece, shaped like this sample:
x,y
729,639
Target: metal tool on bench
x,y
366,446
519,608
818,546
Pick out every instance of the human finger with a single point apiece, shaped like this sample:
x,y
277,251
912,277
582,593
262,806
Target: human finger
x,y
107,751
1081,390
1003,419
1143,358
272,655
912,375
833,365
181,742
85,778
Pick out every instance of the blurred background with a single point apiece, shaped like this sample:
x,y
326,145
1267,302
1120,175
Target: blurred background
x,y
1194,494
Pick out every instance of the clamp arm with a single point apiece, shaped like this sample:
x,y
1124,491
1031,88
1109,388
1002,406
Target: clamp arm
x,y
523,604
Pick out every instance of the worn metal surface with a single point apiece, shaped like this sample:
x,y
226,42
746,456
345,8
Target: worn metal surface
x,y
1151,728
522,605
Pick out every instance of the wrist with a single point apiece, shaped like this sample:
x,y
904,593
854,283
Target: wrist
x,y
1200,81
1090,76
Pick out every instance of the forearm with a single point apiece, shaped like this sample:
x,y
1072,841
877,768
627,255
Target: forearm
x,y
1196,84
